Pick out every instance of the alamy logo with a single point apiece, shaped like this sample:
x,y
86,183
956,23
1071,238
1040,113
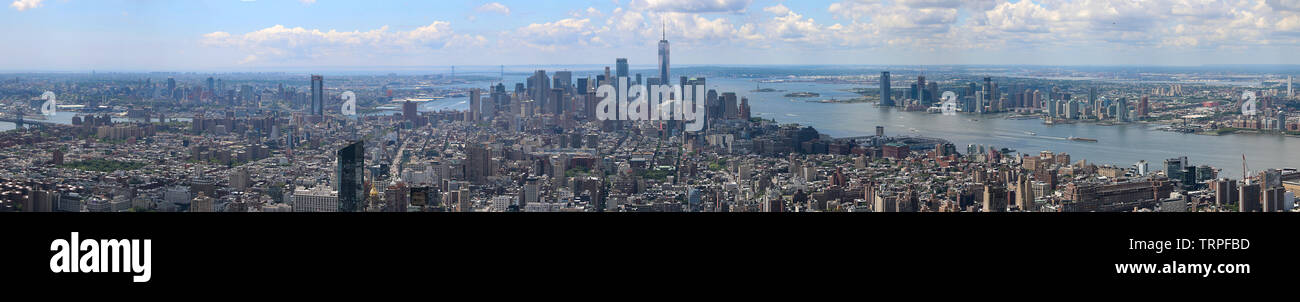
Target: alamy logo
x,y
102,256
49,106
1249,106
349,103
652,103
949,103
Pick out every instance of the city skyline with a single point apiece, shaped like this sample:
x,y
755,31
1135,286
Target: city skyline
x,y
266,35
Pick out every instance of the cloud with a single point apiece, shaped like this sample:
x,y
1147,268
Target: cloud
x,y
1290,5
792,27
307,2
281,43
691,6
558,35
22,5
1021,17
494,7
913,26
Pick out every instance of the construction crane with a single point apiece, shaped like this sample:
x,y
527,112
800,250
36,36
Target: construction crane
x,y
1244,169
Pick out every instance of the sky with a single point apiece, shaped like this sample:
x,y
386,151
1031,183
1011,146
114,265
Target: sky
x,y
265,35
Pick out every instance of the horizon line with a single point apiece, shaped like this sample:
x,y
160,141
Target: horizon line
x,y
446,68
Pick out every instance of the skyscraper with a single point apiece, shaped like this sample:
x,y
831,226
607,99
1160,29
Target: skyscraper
x,y
317,95
409,111
620,69
1144,107
988,89
1024,193
886,95
663,57
564,80
475,104
920,89
1092,95
171,87
350,173
1289,93
1121,110
478,164
539,86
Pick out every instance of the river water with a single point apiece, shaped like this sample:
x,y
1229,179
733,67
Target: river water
x,y
1120,145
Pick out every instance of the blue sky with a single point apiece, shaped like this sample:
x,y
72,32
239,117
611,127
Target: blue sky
x,y
235,35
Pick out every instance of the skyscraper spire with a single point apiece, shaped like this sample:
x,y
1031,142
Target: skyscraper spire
x,y
663,55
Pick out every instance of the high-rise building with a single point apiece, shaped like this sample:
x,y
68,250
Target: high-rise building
x,y
663,57
1121,110
1024,193
920,89
1174,167
475,104
564,80
212,86
1272,193
539,87
410,112
558,103
478,164
620,68
317,95
886,94
730,108
995,198
988,89
1225,192
350,173
1144,107
1249,197
1289,92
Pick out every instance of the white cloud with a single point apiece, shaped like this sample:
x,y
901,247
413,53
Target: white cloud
x,y
954,26
307,2
792,27
1291,5
279,43
1021,17
22,5
558,35
691,6
494,7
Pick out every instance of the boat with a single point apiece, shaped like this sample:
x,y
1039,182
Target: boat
x,y
1083,139
1031,133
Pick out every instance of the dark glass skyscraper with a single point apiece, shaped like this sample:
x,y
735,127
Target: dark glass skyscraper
x,y
317,95
351,185
886,94
663,58
620,68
